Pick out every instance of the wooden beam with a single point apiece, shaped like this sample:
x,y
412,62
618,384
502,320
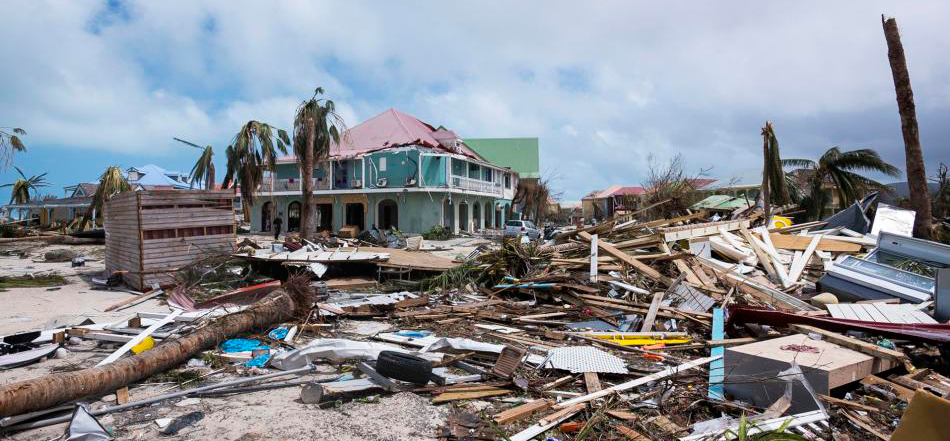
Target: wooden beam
x,y
522,411
650,318
855,344
629,260
592,381
800,243
139,338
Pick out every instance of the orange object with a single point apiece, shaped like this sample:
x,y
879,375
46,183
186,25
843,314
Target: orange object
x,y
572,427
656,346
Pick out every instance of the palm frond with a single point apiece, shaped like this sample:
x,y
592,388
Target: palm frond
x,y
799,163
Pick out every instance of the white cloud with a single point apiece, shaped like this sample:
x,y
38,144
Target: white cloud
x,y
602,85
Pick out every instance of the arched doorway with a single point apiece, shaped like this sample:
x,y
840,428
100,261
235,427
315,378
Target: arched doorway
x,y
387,214
448,214
499,222
293,216
266,212
463,216
476,216
488,216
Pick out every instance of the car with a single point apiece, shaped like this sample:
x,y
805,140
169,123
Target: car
x,y
515,228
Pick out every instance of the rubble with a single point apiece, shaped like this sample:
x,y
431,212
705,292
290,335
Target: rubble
x,y
679,328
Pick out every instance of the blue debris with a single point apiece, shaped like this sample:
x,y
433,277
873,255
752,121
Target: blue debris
x,y
278,333
414,334
242,345
885,343
259,361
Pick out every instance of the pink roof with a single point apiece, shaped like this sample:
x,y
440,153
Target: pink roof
x,y
391,128
616,190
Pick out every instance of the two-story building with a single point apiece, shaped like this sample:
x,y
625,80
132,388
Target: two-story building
x,y
392,171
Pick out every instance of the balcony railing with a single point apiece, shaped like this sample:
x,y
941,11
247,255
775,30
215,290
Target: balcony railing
x,y
292,185
476,185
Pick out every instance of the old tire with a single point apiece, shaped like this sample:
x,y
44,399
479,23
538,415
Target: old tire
x,y
404,367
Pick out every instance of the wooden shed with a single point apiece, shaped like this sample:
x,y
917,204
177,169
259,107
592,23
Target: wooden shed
x,y
152,234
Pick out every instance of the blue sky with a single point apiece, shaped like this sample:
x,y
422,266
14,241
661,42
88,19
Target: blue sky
x,y
604,86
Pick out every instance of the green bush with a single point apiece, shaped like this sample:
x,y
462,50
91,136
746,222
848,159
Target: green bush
x,y
437,232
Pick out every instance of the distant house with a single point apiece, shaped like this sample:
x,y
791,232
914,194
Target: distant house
x,y
392,171
78,197
620,200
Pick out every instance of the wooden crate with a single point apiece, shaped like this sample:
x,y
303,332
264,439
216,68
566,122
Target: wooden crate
x,y
152,234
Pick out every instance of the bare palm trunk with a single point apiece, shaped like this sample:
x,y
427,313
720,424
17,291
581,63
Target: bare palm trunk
x,y
307,218
210,184
51,390
916,174
766,203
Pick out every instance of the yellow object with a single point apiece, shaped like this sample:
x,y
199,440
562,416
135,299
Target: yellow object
x,y
144,345
780,222
631,340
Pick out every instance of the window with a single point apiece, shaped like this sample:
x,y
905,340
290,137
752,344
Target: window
x,y
513,223
507,180
486,174
382,164
458,167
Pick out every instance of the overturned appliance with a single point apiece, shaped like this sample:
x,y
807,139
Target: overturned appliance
x,y
900,267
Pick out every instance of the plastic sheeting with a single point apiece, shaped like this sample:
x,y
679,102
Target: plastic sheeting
x,y
84,427
331,349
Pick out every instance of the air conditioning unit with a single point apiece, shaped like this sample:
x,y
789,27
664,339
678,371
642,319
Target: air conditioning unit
x,y
357,183
382,182
410,181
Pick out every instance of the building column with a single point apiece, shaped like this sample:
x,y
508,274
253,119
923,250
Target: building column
x,y
455,219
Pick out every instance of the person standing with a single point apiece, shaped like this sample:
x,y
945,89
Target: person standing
x,y
277,224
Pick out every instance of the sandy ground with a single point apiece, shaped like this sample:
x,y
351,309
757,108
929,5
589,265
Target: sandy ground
x,y
30,309
264,415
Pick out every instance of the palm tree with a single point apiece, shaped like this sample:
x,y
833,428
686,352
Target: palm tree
x,y
251,152
774,188
111,182
914,156
203,171
838,168
21,189
316,125
10,143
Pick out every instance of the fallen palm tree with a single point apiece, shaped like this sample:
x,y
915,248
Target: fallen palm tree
x,y
52,390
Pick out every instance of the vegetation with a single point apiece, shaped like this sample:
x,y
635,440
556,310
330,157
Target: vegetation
x,y
746,427
252,151
941,202
10,143
774,186
24,186
437,232
837,169
669,187
31,281
534,198
203,171
316,125
111,182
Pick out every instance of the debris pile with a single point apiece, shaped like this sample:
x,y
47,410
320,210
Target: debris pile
x,y
681,328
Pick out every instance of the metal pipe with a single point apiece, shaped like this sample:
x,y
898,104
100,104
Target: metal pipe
x,y
145,402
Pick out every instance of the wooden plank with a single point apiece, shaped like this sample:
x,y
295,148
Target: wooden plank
x,y
630,433
650,318
626,258
764,258
902,392
592,381
876,313
547,423
523,411
138,338
593,258
135,300
798,265
800,243
469,393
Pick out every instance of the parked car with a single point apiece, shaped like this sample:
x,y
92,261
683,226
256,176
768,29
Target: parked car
x,y
515,228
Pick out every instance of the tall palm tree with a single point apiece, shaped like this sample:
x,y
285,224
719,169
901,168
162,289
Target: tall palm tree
x,y
914,156
839,169
252,151
24,186
203,171
316,125
111,182
774,188
10,143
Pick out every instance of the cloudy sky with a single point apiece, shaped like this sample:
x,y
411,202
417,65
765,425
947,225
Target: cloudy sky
x,y
603,84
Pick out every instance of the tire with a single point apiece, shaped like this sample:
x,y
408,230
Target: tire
x,y
404,367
